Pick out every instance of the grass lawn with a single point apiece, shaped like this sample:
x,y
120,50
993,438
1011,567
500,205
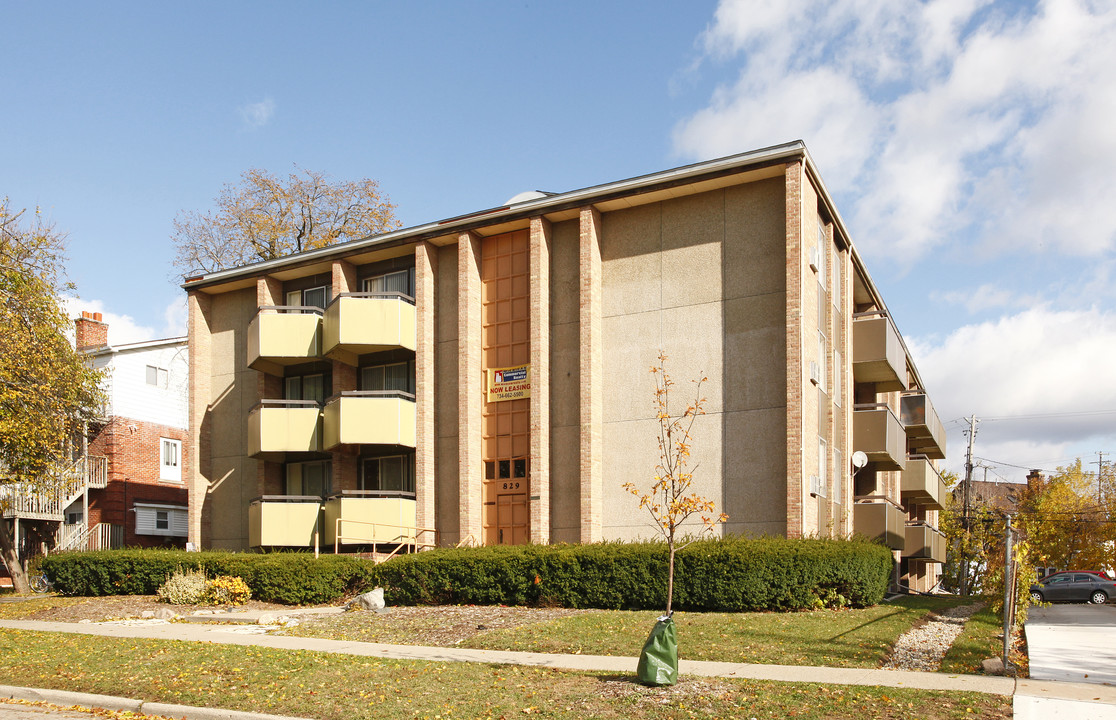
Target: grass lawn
x,y
982,638
836,638
338,687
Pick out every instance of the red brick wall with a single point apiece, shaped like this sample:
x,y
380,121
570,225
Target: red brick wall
x,y
133,450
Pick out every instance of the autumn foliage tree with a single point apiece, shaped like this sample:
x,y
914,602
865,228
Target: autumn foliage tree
x,y
1068,519
671,500
47,390
266,217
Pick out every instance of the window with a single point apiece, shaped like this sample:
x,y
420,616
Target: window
x,y
397,376
401,281
839,476
73,518
157,376
309,478
823,351
823,252
837,375
390,474
165,520
310,297
305,387
837,278
170,460
823,463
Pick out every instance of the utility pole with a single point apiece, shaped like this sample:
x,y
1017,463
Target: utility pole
x,y
966,493
1100,477
1009,590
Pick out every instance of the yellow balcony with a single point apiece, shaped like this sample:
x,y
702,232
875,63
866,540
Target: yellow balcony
x,y
376,417
284,521
925,433
922,484
878,355
281,426
279,338
357,323
879,435
356,517
877,518
924,543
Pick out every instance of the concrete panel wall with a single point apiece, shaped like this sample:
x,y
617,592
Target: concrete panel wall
x,y
565,507
445,415
233,393
663,289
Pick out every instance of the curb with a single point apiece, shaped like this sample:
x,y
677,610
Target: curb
x,y
66,698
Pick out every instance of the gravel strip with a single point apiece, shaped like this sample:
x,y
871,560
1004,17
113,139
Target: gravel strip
x,y
924,647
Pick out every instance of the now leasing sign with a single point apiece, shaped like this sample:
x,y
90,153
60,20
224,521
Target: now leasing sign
x,y
513,383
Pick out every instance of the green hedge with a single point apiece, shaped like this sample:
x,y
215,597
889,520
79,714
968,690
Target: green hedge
x,y
732,574
292,578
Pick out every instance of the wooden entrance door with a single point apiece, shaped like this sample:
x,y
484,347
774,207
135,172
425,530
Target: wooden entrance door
x,y
506,520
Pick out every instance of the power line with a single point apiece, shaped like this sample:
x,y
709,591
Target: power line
x,y
1035,416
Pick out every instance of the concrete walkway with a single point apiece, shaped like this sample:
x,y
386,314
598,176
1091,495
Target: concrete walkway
x,y
1033,698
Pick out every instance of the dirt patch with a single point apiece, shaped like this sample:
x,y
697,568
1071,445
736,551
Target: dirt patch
x,y
109,607
446,625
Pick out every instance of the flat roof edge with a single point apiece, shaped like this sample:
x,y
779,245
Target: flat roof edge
x,y
630,186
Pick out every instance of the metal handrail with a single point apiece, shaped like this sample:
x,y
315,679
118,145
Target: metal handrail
x,y
401,538
291,309
284,404
386,295
399,394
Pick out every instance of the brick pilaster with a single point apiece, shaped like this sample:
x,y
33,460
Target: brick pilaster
x,y
196,465
591,401
540,380
470,385
795,359
344,278
426,275
269,291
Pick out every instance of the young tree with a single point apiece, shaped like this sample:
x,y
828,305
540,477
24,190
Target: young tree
x,y
265,217
670,500
47,390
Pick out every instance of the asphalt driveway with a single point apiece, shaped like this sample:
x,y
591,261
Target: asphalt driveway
x,y
1072,643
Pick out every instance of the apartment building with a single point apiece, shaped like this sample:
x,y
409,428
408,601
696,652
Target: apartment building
x,y
141,440
485,378
124,484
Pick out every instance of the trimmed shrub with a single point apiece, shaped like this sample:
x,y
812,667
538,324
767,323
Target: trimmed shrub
x,y
183,587
728,575
226,590
291,578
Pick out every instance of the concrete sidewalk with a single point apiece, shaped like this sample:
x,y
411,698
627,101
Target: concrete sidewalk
x,y
1032,698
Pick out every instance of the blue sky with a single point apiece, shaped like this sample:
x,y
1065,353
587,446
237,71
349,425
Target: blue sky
x,y
969,145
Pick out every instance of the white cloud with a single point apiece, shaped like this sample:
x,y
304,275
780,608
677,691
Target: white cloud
x,y
1039,362
986,297
953,121
256,115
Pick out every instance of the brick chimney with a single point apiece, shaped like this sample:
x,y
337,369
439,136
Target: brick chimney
x,y
90,331
1035,478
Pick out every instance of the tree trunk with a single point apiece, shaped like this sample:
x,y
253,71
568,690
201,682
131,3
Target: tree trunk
x,y
670,580
11,558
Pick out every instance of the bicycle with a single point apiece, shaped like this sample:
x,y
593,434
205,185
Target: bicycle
x,y
40,583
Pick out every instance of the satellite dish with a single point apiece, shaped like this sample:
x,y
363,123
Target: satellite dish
x,y
859,459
